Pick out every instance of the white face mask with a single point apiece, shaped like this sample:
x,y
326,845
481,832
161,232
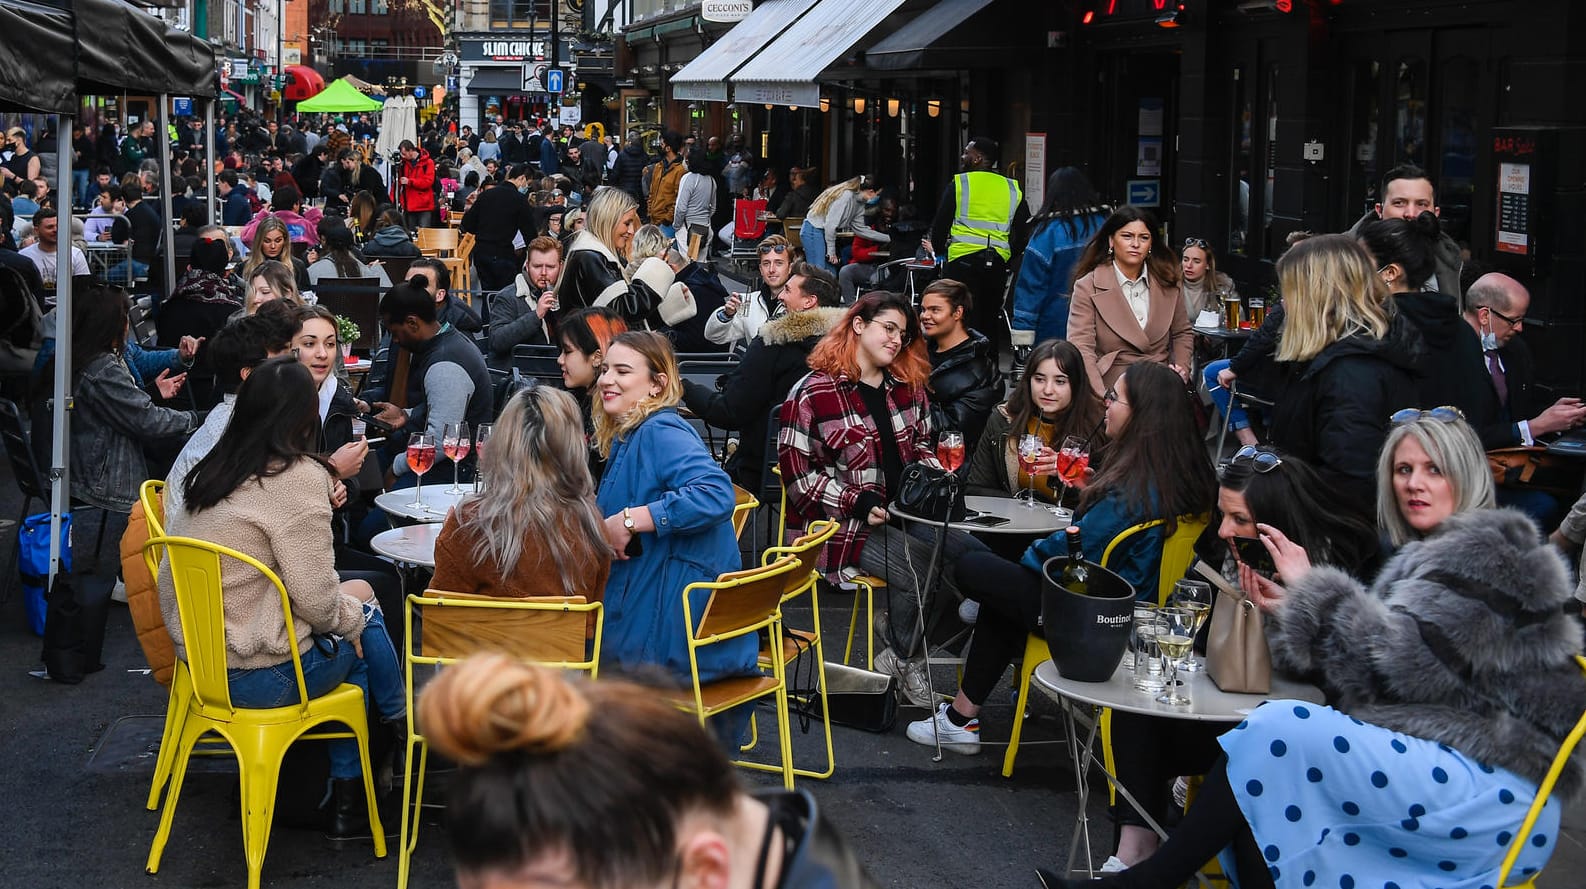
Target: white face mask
x,y
1489,340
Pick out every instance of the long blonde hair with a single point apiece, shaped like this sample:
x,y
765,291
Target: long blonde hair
x,y
825,199
606,209
256,256
540,488
1330,291
656,350
648,241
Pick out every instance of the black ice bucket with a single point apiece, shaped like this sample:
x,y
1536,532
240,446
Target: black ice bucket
x,y
1089,633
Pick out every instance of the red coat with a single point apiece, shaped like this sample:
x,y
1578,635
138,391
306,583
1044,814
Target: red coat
x,y
418,196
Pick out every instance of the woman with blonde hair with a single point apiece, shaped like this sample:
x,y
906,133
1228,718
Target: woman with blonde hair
x,y
270,280
837,209
607,786
1352,361
592,274
272,241
534,530
668,509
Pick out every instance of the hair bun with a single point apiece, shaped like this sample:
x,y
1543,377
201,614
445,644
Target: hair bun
x,y
492,703
1428,224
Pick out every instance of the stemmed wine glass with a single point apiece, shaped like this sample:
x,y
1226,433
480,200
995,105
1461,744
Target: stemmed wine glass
x,y
950,450
1194,596
1073,458
1030,446
456,444
481,435
1175,640
421,456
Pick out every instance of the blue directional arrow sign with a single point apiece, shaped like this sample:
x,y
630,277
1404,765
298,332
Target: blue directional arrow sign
x,y
1144,192
553,80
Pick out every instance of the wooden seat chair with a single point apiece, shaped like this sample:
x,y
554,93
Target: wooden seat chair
x,y
437,241
259,737
742,603
744,505
1178,551
443,628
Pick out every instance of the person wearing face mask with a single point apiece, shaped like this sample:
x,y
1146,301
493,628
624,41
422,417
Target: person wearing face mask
x,y
1495,307
518,310
498,217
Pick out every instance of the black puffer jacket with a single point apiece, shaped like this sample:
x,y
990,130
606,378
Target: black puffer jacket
x,y
1452,368
1462,639
774,361
628,174
965,387
1334,410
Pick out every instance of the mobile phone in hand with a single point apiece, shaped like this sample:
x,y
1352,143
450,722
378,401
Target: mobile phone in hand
x,y
634,549
1253,552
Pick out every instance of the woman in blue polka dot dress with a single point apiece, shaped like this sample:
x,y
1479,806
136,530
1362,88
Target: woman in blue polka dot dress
x,y
1452,685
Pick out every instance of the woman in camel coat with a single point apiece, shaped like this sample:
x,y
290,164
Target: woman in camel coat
x,y
1126,306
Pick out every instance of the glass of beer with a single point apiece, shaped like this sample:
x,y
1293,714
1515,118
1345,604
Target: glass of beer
x,y
1258,311
1230,311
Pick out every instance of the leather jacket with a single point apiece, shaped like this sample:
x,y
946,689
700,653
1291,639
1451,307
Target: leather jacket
x,y
593,277
112,420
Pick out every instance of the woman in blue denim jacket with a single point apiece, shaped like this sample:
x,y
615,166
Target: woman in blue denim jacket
x,y
1070,216
668,510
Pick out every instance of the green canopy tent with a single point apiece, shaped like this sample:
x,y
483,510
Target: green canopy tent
x,y
340,96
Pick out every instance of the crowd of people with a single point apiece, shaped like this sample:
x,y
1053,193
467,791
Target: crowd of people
x,y
1436,621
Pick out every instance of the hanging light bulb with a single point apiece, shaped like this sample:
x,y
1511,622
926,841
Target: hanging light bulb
x,y
893,106
826,104
934,107
859,104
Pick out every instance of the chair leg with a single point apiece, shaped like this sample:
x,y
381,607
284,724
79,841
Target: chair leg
x,y
784,735
260,773
1026,669
191,730
361,730
175,718
826,725
16,555
412,806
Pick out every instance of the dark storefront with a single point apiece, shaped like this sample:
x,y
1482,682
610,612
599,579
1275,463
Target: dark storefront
x,y
1250,123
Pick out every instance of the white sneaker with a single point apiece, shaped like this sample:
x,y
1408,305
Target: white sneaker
x,y
963,739
118,593
1113,865
968,611
912,682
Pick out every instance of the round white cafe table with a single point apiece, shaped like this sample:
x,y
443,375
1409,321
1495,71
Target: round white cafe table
x,y
1208,703
409,545
436,502
1037,522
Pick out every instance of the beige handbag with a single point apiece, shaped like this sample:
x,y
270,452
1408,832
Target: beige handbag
x,y
1237,658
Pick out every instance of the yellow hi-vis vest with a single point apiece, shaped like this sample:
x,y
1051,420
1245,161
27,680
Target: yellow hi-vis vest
x,y
986,203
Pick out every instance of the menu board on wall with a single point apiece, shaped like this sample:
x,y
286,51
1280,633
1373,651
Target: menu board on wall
x,y
1514,208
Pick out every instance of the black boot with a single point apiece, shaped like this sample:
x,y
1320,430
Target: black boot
x,y
349,812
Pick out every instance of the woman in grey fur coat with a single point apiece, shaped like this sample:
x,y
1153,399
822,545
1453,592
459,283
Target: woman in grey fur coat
x,y
1452,684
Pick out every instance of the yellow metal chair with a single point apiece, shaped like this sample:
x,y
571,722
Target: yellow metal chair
x,y
742,603
259,737
865,585
806,579
1523,835
152,495
1178,551
744,505
551,631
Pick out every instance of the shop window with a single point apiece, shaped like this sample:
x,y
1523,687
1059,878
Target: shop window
x,y
1239,201
337,7
1409,128
1456,168
519,13
377,7
357,7
1361,194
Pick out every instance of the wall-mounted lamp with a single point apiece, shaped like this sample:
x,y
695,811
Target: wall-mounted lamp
x,y
893,107
769,106
792,107
859,104
934,108
826,104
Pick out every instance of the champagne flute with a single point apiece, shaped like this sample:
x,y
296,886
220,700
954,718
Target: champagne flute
x,y
1175,640
456,444
1073,458
950,450
421,456
1195,596
482,434
1030,446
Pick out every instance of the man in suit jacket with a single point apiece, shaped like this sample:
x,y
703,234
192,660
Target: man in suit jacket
x,y
1495,308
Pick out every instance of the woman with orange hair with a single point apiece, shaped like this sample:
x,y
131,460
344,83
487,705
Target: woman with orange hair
x,y
848,429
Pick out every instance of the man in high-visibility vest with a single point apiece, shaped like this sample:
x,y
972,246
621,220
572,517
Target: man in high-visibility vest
x,y
981,222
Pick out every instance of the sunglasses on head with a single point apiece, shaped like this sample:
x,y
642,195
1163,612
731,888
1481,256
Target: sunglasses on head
x,y
1444,414
1257,458
1197,242
772,248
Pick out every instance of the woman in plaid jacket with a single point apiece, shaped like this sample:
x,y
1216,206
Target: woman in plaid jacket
x,y
848,429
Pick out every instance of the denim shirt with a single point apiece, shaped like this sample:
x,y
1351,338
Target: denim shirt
x,y
111,421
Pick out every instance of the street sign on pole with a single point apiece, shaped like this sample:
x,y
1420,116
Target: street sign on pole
x,y
553,80
1144,192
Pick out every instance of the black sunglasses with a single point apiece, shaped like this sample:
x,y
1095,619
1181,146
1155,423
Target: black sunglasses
x,y
1197,242
1444,414
773,248
1257,458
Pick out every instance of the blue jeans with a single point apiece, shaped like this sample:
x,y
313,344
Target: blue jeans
x,y
815,249
79,186
1237,418
328,663
124,272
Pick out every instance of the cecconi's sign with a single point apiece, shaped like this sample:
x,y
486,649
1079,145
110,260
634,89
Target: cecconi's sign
x,y
725,10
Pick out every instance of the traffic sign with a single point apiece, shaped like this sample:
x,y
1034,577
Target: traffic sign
x,y
554,80
451,83
418,92
1144,192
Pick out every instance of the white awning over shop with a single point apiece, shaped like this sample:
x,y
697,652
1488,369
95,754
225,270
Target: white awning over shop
x,y
784,72
705,78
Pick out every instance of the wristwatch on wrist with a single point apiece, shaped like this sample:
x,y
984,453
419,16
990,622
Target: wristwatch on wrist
x,y
627,519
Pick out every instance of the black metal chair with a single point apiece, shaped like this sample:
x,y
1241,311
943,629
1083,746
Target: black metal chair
x,y
706,373
358,300
538,362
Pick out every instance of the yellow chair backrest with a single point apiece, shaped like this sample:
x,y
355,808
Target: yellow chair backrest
x,y
152,495
740,602
196,576
552,631
1178,550
806,550
744,503
1523,836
